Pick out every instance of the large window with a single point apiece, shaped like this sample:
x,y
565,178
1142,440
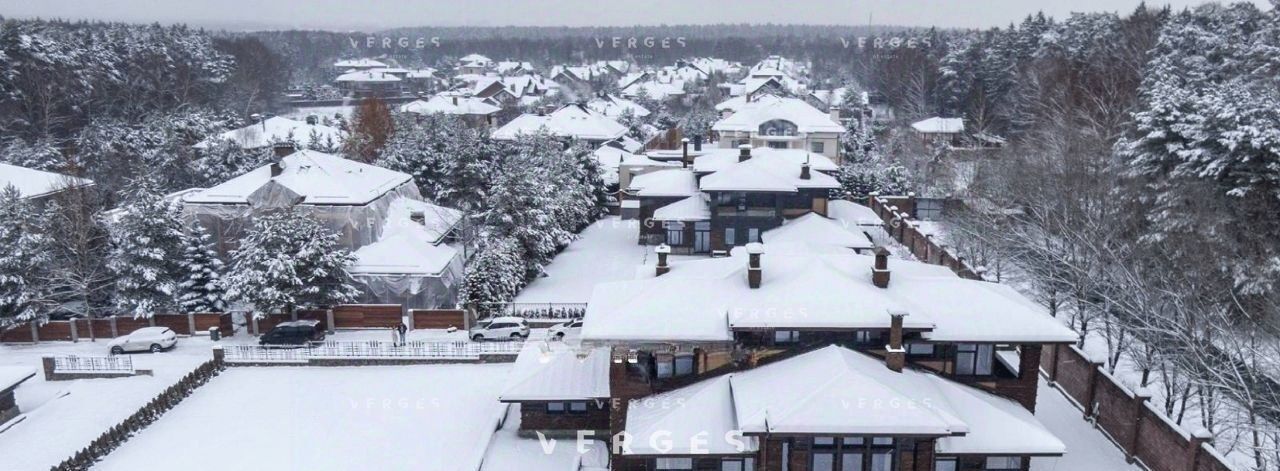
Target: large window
x,y
853,454
945,464
786,336
737,464
675,232
573,407
817,147
667,365
753,235
920,349
1004,463
778,144
682,464
730,237
974,359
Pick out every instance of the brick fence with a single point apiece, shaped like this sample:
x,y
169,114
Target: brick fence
x,y
110,327
1141,431
896,212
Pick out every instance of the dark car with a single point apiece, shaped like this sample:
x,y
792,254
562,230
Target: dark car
x,y
293,333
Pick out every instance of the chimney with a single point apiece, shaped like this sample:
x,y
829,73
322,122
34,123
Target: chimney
x,y
895,354
662,250
684,157
418,217
744,152
804,171
277,168
835,114
880,274
697,143
283,149
313,119
455,100
754,272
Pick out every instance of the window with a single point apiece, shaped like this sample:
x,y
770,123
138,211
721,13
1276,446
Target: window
x,y
778,145
974,359
920,349
753,235
945,464
1002,463
730,238
786,336
866,336
675,232
685,464
555,407
578,407
824,454
737,464
817,147
853,454
684,365
665,369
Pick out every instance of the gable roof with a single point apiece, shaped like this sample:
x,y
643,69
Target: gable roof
x,y
572,120
752,114
368,76
813,228
768,172
937,125
693,208
553,371
359,64
614,107
314,177
674,182
32,183
407,246
276,129
455,105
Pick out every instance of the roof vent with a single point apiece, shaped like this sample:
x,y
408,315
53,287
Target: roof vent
x,y
754,271
744,152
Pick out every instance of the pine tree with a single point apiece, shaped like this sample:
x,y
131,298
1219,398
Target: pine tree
x,y
24,255
288,260
202,289
495,275
146,246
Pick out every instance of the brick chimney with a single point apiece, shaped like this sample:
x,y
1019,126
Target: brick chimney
x,y
804,171
684,156
283,149
895,354
697,143
880,274
313,119
754,271
835,114
662,250
744,152
455,100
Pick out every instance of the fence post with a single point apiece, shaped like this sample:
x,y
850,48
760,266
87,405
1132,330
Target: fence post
x,y
253,322
328,320
47,363
1091,391
1140,398
1053,365
75,331
408,315
219,356
115,330
35,332
1199,438
191,323
151,320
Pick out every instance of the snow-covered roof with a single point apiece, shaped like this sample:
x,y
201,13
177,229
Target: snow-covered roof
x,y
425,72
358,64
937,125
315,177
32,183
814,229
507,66
455,105
276,129
752,114
706,299
656,90
12,376
768,172
614,107
548,371
571,120
675,182
796,396
853,214
372,75
715,159
475,60
612,157
693,208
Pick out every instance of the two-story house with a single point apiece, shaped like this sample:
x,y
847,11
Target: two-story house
x,y
780,123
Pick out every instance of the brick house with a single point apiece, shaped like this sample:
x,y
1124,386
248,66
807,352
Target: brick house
x,y
560,391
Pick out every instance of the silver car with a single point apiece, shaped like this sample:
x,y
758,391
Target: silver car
x,y
501,328
146,339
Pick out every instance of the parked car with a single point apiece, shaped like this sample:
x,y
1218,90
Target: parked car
x,y
293,333
560,331
501,328
146,339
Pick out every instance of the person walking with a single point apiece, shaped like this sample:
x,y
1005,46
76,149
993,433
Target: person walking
x,y
404,332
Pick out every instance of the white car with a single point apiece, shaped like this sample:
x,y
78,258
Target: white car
x,y
146,339
568,329
501,328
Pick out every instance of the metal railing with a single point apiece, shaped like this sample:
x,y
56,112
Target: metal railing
x,y
548,311
368,350
75,364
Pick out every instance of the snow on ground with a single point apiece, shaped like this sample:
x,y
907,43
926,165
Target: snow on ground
x,y
62,417
606,251
426,417
1087,448
509,451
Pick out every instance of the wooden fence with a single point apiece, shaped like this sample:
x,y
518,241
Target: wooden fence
x,y
896,212
1141,431
110,327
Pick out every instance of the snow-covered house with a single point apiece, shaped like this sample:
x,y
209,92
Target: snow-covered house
x,y
560,390
362,203
371,82
572,121
824,360
513,67
359,64
620,165
656,89
421,80
276,129
780,123
475,111
36,185
614,106
939,130
11,377
474,64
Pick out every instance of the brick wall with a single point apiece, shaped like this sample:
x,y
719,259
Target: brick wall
x,y
1141,431
438,318
101,328
534,416
901,226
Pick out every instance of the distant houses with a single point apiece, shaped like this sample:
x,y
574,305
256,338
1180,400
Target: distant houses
x,y
573,121
476,112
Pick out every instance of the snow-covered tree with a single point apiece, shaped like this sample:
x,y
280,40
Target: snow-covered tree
x,y
201,289
287,260
24,255
146,250
451,163
495,274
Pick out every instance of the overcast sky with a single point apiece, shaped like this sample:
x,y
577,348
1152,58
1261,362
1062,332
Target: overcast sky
x,y
370,15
